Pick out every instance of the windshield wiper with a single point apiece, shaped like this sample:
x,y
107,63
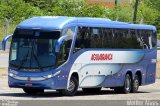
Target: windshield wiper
x,y
35,56
26,56
23,61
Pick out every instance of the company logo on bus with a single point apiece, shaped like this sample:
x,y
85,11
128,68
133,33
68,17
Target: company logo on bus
x,y
99,57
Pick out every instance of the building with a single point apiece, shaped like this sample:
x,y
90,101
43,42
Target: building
x,y
107,3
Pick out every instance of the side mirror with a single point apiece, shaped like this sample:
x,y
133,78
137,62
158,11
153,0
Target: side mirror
x,y
59,43
5,41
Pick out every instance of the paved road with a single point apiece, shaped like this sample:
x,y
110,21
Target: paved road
x,y
158,54
4,59
149,92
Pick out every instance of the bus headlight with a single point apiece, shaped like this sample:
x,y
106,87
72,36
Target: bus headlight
x,y
12,75
52,75
48,76
57,73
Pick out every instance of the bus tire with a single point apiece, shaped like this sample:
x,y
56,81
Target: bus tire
x,y
135,84
33,91
72,89
126,88
127,84
91,90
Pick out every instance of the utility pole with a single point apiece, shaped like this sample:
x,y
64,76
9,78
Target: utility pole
x,y
135,12
116,1
115,6
8,21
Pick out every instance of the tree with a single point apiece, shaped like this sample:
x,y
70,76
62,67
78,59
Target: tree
x,y
67,7
155,4
147,12
121,13
17,10
44,5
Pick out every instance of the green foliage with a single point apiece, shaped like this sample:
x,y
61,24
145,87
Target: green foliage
x,y
18,10
122,13
44,5
147,12
66,8
78,8
155,4
94,11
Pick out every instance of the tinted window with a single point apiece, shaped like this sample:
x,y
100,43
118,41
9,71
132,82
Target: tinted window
x,y
154,38
91,37
147,38
33,34
83,38
66,45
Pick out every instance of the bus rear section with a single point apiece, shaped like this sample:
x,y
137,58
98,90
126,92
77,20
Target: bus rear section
x,y
119,58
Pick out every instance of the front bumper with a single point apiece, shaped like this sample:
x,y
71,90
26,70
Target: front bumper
x,y
51,83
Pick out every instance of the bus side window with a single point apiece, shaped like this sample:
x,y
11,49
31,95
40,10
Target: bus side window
x,y
14,51
154,38
132,40
83,39
63,54
149,34
95,38
64,51
146,40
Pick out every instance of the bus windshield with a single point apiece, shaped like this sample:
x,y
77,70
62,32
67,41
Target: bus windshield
x,y
33,50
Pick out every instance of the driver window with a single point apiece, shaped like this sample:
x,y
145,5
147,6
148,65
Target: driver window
x,y
14,51
66,45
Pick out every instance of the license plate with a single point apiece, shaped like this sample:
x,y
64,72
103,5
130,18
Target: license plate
x,y
28,84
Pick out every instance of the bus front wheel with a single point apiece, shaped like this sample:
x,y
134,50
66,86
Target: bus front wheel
x,y
33,91
72,89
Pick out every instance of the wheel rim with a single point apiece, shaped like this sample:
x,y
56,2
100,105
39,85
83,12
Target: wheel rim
x,y
136,84
127,85
71,86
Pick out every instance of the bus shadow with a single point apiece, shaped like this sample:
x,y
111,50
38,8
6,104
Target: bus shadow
x,y
105,92
55,94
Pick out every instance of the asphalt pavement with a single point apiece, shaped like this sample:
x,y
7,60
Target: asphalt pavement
x,y
158,54
4,59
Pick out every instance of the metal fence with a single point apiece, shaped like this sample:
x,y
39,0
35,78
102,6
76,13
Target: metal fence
x,y
6,28
158,44
0,46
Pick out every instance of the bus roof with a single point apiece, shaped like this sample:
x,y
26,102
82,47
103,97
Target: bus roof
x,y
60,22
